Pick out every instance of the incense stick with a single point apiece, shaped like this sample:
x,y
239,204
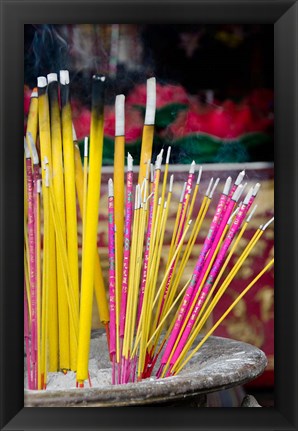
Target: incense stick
x,y
95,161
70,198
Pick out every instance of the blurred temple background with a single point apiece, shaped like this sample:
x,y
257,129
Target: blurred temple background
x,y
215,105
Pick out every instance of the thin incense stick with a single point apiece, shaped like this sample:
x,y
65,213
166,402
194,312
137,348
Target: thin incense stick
x,y
112,292
32,262
32,121
85,187
70,198
95,162
36,203
148,130
99,284
58,185
49,234
119,182
127,241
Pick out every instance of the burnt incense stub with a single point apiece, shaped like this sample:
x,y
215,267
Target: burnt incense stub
x,y
221,363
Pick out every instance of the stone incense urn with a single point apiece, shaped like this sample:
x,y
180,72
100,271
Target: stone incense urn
x,y
221,363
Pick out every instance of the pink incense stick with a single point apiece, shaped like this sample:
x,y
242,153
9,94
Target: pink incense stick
x,y
241,213
190,290
112,299
127,241
27,340
36,194
32,261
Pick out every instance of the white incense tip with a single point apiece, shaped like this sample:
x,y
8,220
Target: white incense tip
x,y
148,169
151,172
168,155
243,188
150,102
140,196
33,149
192,167
251,213
171,183
137,197
64,77
38,186
42,81
199,175
52,77
240,178
268,223
86,146
248,196
34,93
256,189
26,148
237,193
47,182
213,188
183,192
158,160
110,188
129,162
45,160
120,115
159,201
74,133
165,205
233,215
209,187
227,186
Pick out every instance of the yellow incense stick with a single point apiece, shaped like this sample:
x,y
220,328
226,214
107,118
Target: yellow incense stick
x,y
70,199
268,266
38,280
99,284
85,187
148,130
93,195
58,186
62,250
32,121
119,184
176,225
50,259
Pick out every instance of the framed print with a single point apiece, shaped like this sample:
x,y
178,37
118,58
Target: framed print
x,y
241,116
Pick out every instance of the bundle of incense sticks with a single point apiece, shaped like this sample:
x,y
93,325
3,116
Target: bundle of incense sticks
x,y
58,302
151,324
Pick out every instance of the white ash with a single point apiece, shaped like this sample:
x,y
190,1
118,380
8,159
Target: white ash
x,y
99,369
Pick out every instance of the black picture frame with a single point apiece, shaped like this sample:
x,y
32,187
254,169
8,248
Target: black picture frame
x,y
16,13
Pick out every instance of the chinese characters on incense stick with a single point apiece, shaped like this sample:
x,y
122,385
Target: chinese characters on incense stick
x,y
151,325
